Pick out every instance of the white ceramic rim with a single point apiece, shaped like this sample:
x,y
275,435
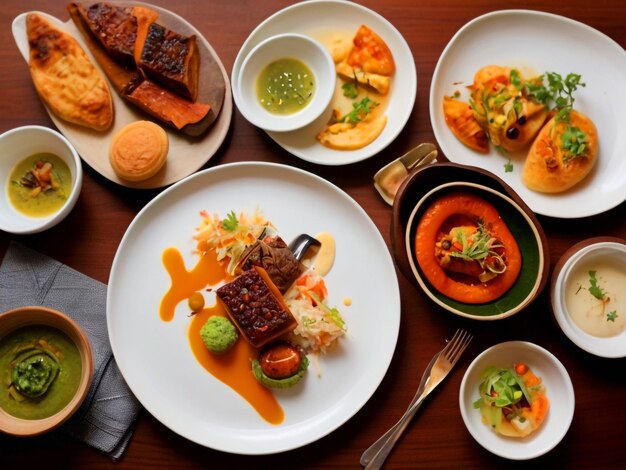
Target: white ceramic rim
x,y
426,289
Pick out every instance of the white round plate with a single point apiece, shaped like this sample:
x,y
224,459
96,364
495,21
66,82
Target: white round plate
x,y
541,42
319,18
559,390
155,357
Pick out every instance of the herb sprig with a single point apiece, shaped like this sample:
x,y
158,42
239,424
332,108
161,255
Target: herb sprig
x,y
360,110
559,93
231,222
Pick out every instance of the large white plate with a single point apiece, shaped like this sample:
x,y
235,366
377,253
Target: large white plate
x,y
542,42
317,18
186,154
155,357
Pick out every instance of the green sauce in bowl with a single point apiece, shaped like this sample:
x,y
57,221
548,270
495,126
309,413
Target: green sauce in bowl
x,y
40,371
285,86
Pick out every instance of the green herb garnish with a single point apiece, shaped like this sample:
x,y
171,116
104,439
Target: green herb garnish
x,y
230,223
611,316
516,79
350,90
508,167
560,93
594,289
501,387
361,109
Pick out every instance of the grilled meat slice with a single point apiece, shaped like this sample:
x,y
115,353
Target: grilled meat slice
x,y
172,60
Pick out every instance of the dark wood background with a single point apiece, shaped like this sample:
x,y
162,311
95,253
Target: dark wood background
x,y
87,241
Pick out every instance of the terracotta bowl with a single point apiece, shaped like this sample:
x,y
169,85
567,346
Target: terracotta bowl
x,y
25,316
423,185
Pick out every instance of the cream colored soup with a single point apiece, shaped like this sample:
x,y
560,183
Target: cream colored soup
x,y
602,314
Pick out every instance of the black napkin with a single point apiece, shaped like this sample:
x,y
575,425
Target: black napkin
x,y
106,419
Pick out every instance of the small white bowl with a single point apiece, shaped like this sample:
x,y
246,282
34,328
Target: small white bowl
x,y
591,252
290,45
559,390
18,144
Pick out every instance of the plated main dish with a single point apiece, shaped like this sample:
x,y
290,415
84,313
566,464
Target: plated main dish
x,y
514,113
462,252
207,410
265,295
559,171
376,84
161,70
517,400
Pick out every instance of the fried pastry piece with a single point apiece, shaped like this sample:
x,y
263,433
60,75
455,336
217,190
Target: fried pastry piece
x,y
551,166
349,136
461,121
172,60
65,78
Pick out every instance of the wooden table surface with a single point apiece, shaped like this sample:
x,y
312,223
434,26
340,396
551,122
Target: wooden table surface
x,y
87,241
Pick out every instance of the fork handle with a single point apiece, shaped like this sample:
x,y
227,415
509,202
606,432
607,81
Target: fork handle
x,y
376,454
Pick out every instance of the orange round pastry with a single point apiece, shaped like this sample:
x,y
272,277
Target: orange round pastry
x,y
139,150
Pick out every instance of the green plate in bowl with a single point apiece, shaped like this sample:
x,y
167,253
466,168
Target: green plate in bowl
x,y
430,182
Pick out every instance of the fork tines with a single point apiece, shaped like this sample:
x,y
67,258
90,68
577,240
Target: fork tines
x,y
457,345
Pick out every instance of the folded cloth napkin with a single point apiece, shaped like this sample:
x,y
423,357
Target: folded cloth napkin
x,y
106,419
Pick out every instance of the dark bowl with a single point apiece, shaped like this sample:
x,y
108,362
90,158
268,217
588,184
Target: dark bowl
x,y
517,215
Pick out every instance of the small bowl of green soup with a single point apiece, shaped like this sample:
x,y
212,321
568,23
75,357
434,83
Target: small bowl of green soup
x,y
286,82
41,179
46,368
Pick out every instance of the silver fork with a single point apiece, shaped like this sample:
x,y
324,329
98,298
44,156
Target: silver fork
x,y
439,367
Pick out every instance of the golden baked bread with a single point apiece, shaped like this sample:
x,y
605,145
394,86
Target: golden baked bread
x,y
139,150
65,78
551,169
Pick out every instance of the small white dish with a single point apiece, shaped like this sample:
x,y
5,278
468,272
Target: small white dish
x,y
589,254
559,390
282,46
18,144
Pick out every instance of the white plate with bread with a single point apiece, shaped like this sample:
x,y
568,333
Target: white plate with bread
x,y
538,42
189,147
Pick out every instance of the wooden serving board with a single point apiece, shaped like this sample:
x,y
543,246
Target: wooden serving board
x,y
186,153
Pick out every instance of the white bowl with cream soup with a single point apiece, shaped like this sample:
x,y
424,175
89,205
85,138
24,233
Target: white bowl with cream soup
x,y
589,296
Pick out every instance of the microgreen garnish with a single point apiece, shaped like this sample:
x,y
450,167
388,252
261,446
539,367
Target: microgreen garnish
x,y
594,289
360,110
230,223
350,90
559,92
508,167
479,246
611,316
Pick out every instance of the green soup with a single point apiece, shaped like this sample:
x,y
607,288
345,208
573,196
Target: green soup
x,y
285,86
40,370
39,185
